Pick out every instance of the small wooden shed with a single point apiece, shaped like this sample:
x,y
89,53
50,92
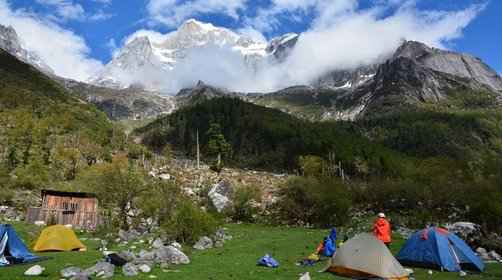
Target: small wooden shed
x,y
75,208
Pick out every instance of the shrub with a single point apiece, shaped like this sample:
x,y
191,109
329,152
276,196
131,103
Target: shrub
x,y
321,202
6,196
189,222
243,199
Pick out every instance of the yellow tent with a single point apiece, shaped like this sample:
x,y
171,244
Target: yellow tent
x,y
58,238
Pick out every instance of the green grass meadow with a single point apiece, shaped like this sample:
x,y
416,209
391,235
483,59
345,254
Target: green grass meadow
x,y
236,260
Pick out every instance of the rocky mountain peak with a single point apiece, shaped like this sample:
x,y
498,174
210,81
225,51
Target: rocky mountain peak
x,y
10,42
449,62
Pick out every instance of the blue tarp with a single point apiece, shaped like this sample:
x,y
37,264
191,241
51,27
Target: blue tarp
x,y
437,248
15,248
268,261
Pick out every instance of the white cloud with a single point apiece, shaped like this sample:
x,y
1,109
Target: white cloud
x,y
106,2
65,9
65,52
341,36
99,16
171,12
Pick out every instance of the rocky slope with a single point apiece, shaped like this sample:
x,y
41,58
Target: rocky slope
x,y
415,75
120,104
9,41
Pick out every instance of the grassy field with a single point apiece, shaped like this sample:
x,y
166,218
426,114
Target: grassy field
x,y
236,260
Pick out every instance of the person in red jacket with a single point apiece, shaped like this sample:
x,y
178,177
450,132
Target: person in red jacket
x,y
381,229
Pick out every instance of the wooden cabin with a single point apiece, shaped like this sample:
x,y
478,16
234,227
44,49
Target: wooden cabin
x,y
75,208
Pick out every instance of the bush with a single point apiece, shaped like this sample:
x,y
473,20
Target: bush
x,y
321,202
6,196
188,223
243,199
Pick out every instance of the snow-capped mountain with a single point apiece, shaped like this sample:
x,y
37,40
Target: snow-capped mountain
x,y
9,41
146,63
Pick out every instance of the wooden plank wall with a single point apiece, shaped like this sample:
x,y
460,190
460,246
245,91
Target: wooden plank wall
x,y
79,212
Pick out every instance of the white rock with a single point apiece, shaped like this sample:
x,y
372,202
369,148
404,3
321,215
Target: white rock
x,y
145,268
305,276
35,270
176,245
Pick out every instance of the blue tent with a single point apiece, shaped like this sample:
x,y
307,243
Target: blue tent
x,y
12,248
438,248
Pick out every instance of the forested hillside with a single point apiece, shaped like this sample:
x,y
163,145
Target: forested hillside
x,y
398,161
45,132
269,139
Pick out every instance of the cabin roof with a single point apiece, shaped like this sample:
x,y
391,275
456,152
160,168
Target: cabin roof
x,y
68,194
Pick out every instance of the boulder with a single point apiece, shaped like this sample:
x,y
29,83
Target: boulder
x,y
222,235
171,255
80,276
494,255
220,195
146,255
176,245
127,255
128,235
204,243
158,243
35,270
481,251
145,268
70,272
101,269
129,270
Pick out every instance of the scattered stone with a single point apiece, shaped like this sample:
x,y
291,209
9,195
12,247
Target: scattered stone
x,y
218,244
481,251
127,255
40,223
35,270
204,243
171,255
145,268
128,235
158,243
146,255
219,195
101,269
305,276
176,245
129,270
80,276
222,235
494,255
70,272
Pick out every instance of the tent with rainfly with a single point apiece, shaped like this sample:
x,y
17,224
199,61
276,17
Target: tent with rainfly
x,y
12,248
364,256
438,248
58,238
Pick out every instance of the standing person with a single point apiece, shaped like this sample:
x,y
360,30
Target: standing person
x,y
381,229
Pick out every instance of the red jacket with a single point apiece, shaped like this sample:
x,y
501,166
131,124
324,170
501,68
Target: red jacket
x,y
382,231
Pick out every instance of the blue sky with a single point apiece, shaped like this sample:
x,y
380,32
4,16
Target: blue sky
x,y
97,26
